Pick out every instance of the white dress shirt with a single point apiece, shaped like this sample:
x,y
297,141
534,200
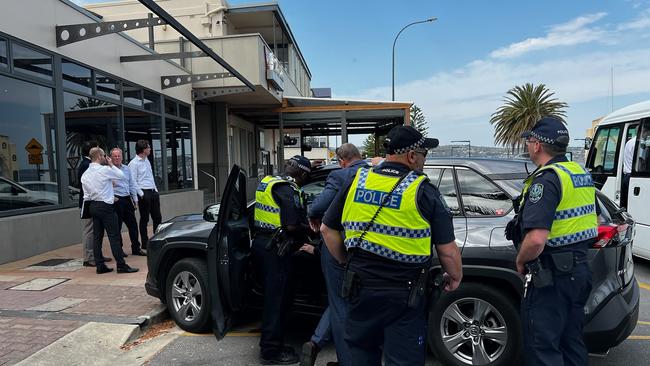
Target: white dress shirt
x,y
126,186
142,174
97,182
628,155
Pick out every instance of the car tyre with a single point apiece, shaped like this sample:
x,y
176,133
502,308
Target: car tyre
x,y
187,295
475,323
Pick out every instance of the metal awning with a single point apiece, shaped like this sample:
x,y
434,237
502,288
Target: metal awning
x,y
326,117
71,33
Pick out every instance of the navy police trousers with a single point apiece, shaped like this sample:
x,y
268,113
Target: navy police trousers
x,y
553,317
380,318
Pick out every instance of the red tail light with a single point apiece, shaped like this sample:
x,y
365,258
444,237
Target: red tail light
x,y
608,232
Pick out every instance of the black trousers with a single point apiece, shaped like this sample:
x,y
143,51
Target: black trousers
x,y
277,294
126,214
105,218
625,187
553,317
149,204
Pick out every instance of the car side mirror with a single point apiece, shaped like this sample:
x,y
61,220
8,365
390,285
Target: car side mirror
x,y
588,141
211,213
14,191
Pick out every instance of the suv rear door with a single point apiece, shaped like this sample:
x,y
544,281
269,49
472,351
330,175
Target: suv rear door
x,y
229,253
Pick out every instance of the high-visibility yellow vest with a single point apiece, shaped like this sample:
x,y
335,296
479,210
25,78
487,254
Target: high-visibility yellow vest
x,y
399,231
575,216
267,211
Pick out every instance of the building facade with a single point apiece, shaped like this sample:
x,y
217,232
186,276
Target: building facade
x,y
53,99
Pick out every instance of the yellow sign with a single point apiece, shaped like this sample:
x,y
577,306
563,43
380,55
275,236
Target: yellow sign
x,y
34,147
35,159
331,154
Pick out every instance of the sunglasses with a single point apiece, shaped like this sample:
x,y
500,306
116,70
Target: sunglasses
x,y
424,152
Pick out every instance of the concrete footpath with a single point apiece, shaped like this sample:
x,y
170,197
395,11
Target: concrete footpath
x,y
50,302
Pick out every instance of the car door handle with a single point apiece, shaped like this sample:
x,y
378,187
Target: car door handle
x,y
637,190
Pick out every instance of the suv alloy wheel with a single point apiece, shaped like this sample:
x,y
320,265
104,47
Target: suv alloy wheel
x,y
188,298
475,325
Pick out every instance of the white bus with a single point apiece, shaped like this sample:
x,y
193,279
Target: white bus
x,y
606,161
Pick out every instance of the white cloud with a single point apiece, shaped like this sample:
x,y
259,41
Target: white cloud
x,y
641,22
573,32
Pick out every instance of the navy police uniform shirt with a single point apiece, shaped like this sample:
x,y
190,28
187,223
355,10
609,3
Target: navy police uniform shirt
x,y
292,211
541,201
429,203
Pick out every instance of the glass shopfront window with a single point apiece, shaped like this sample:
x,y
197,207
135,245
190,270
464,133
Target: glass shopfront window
x,y
179,154
139,125
31,62
107,86
76,77
3,54
27,144
88,119
132,94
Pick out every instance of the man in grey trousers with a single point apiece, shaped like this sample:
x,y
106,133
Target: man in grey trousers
x,y
86,224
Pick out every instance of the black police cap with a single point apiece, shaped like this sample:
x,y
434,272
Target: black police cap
x,y
401,139
549,130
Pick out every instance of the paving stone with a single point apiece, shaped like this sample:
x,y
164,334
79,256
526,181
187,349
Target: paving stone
x,y
58,304
39,284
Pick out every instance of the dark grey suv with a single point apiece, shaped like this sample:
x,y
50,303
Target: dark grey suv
x,y
203,271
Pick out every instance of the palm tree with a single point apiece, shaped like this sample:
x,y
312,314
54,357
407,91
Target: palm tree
x,y
523,106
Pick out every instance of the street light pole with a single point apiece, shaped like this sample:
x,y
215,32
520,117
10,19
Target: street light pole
x,y
395,41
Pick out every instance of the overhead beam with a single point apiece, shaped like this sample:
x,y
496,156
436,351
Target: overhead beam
x,y
342,107
162,56
204,93
171,21
171,81
71,33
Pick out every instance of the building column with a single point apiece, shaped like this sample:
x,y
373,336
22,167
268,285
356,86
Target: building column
x,y
281,144
344,128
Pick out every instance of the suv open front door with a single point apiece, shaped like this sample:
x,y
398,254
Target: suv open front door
x,y
229,253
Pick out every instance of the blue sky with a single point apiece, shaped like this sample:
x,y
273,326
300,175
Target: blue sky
x,y
458,68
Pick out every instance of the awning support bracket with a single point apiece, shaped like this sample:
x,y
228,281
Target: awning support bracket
x,y
171,81
72,33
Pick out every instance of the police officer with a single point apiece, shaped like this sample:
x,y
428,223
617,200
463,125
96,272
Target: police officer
x,y
559,221
391,216
280,219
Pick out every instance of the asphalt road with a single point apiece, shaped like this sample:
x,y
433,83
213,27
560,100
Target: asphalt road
x,y
240,347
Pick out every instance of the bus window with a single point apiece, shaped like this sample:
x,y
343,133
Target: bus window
x,y
603,150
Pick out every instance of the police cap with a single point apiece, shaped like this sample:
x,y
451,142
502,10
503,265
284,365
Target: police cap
x,y
401,139
549,130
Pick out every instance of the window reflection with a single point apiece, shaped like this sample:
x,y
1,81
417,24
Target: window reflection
x,y
76,77
179,154
3,53
88,119
480,196
31,62
139,125
132,94
26,121
107,86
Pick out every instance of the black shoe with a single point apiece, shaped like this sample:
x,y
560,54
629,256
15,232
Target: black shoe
x,y
106,259
309,353
103,269
89,264
126,269
283,357
140,253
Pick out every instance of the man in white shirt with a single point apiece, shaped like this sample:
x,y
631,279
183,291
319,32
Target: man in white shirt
x,y
149,200
97,183
126,199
